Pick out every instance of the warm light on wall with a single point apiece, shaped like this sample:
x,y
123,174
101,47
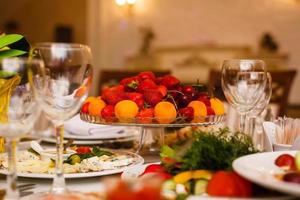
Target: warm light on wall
x,y
127,6
125,2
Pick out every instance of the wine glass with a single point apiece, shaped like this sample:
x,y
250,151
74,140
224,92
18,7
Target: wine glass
x,y
254,115
243,82
18,111
61,90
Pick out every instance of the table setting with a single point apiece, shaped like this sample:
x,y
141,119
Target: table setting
x,y
147,137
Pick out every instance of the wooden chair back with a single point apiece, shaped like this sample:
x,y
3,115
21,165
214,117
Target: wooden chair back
x,y
282,81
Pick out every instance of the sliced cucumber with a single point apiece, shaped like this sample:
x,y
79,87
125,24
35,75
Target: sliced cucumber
x,y
200,186
169,185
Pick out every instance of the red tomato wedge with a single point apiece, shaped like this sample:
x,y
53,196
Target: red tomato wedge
x,y
222,184
244,186
83,150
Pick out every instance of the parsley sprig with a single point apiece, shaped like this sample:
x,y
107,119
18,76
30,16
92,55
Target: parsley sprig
x,y
213,150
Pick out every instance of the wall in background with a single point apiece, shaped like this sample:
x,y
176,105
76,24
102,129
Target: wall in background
x,y
37,18
192,22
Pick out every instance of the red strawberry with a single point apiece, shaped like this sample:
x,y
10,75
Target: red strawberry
x,y
169,81
136,97
210,111
108,113
113,98
152,97
114,94
187,113
163,90
146,85
85,108
145,116
130,83
146,75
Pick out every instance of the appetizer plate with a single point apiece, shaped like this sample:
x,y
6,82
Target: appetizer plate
x,y
136,171
260,169
138,160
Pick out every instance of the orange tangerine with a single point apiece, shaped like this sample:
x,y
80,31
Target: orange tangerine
x,y
90,99
165,112
217,105
126,110
199,110
96,105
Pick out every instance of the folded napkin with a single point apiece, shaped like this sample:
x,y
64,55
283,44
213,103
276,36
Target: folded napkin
x,y
76,126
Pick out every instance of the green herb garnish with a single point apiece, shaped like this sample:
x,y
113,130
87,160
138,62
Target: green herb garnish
x,y
99,152
213,150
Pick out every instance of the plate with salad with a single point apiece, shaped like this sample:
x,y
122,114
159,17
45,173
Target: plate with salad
x,y
200,167
278,170
79,162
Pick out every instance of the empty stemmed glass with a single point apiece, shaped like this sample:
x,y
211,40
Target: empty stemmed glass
x,y
243,82
60,90
18,111
254,115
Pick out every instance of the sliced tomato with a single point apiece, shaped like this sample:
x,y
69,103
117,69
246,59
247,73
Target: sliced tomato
x,y
83,150
149,193
245,187
222,184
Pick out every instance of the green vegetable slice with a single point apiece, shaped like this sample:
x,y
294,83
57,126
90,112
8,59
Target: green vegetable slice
x,y
200,186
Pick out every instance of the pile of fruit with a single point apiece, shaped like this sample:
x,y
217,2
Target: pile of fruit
x,y
146,99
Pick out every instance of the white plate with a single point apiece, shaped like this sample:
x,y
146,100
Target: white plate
x,y
138,160
260,169
136,171
100,134
89,142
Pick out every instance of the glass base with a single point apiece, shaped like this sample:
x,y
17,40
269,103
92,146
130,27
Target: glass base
x,y
150,142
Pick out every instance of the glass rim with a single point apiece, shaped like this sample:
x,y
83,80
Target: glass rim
x,y
243,60
69,46
24,60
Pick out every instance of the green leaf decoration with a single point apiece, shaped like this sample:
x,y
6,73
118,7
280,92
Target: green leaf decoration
x,y
11,53
9,39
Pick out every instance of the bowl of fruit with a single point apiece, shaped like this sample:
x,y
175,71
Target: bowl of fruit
x,y
147,100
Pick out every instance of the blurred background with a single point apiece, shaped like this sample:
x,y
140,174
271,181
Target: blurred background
x,y
189,39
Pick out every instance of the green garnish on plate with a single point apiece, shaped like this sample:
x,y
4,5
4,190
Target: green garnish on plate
x,y
212,150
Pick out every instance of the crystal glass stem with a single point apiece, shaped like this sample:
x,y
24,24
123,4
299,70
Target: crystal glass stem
x,y
12,192
59,184
242,122
252,123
